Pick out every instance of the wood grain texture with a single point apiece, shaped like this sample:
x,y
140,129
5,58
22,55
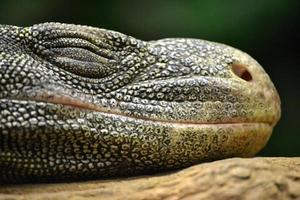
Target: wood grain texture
x,y
235,178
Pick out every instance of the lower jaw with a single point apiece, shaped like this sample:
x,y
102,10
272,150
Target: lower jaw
x,y
228,140
187,145
166,145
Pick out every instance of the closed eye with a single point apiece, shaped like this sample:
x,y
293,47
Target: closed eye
x,y
80,56
82,62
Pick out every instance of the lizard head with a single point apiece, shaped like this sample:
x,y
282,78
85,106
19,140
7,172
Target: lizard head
x,y
60,78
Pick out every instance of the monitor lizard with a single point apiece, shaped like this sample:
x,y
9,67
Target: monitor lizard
x,y
78,102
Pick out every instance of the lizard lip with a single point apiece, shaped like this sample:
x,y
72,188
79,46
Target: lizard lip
x,y
67,101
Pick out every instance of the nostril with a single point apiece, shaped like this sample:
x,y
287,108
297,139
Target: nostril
x,y
241,71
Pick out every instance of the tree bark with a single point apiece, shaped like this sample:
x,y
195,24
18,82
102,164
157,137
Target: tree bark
x,y
235,178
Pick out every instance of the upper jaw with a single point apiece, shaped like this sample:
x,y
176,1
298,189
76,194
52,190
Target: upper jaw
x,y
226,101
68,111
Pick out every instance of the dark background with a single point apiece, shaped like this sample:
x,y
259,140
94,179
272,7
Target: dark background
x,y
266,29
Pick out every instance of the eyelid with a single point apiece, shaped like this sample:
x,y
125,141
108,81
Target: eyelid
x,y
83,68
82,62
79,54
80,57
81,50
79,43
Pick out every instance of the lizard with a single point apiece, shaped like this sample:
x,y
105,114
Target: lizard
x,y
79,102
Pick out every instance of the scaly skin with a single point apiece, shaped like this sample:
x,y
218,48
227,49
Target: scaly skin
x,y
79,102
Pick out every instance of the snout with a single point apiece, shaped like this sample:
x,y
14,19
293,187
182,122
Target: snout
x,y
263,89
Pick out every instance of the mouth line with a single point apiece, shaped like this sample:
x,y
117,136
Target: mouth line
x,y
66,101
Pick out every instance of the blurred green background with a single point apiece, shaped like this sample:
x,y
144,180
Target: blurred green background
x,y
266,29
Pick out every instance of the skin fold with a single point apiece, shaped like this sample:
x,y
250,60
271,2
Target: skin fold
x,y
78,102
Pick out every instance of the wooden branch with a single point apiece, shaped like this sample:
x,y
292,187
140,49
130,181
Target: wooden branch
x,y
236,178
